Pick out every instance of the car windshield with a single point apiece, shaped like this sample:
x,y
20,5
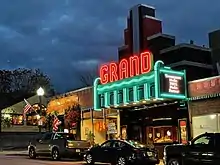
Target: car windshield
x,y
136,144
67,136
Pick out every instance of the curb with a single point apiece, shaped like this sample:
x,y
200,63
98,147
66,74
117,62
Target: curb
x,y
15,154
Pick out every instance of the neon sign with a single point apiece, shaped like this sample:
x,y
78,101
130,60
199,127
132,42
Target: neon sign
x,y
126,68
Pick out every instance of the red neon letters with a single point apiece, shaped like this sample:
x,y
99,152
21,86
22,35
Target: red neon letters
x,y
133,66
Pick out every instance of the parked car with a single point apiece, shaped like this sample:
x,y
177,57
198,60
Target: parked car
x,y
57,145
122,152
203,149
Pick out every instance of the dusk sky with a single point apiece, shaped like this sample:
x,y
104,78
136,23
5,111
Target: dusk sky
x,y
67,37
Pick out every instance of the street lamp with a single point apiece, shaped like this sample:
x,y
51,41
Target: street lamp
x,y
40,93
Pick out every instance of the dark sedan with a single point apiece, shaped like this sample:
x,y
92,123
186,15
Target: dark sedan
x,y
122,153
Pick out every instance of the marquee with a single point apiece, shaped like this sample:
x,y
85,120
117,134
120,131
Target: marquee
x,y
137,79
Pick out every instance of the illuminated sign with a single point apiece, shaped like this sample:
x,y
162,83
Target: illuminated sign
x,y
172,84
126,68
131,89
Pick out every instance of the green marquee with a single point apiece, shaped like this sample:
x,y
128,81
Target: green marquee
x,y
161,83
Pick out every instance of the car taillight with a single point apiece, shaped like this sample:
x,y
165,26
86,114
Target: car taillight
x,y
137,151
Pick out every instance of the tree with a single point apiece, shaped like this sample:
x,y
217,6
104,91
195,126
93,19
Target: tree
x,y
87,77
72,117
21,83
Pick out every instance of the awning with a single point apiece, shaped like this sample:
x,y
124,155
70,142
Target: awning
x,y
204,97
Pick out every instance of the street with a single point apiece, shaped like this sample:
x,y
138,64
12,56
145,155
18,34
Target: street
x,y
24,160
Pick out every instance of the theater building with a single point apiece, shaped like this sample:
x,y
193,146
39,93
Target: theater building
x,y
204,105
148,96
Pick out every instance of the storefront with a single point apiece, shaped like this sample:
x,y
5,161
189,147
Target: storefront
x,y
150,96
13,119
96,123
204,105
91,124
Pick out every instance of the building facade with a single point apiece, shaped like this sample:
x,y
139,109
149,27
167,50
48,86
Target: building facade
x,y
214,44
204,105
148,95
13,119
91,122
150,110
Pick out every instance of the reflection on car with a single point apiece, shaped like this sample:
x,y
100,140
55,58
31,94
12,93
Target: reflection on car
x,y
122,152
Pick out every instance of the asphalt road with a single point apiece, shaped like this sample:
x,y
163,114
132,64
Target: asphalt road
x,y
23,160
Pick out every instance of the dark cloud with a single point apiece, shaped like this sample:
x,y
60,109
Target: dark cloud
x,y
66,37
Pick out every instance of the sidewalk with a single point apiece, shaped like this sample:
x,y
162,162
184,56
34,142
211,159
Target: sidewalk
x,y
17,153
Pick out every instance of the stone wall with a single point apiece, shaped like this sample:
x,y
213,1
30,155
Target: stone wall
x,y
16,140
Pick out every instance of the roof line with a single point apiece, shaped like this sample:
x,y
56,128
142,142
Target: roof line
x,y
182,45
204,79
191,63
160,35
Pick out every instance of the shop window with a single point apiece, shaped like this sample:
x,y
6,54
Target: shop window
x,y
120,96
152,90
167,134
111,98
131,94
32,119
17,120
141,92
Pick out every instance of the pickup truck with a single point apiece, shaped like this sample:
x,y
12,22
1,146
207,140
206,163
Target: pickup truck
x,y
57,145
203,149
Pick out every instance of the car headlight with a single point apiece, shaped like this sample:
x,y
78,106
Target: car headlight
x,y
149,153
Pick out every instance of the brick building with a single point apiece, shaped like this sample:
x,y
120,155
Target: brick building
x,y
144,32
214,44
204,105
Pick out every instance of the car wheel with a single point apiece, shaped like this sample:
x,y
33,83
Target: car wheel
x,y
174,161
55,154
121,161
89,159
32,153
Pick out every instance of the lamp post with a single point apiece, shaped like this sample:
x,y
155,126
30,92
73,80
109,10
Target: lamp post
x,y
40,93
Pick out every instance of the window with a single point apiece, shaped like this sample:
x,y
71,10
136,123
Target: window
x,y
141,92
106,144
32,119
131,94
204,140
111,98
46,136
152,91
118,144
17,120
166,134
65,136
136,144
120,96
101,100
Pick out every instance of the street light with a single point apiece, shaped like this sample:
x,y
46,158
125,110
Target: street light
x,y
40,93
